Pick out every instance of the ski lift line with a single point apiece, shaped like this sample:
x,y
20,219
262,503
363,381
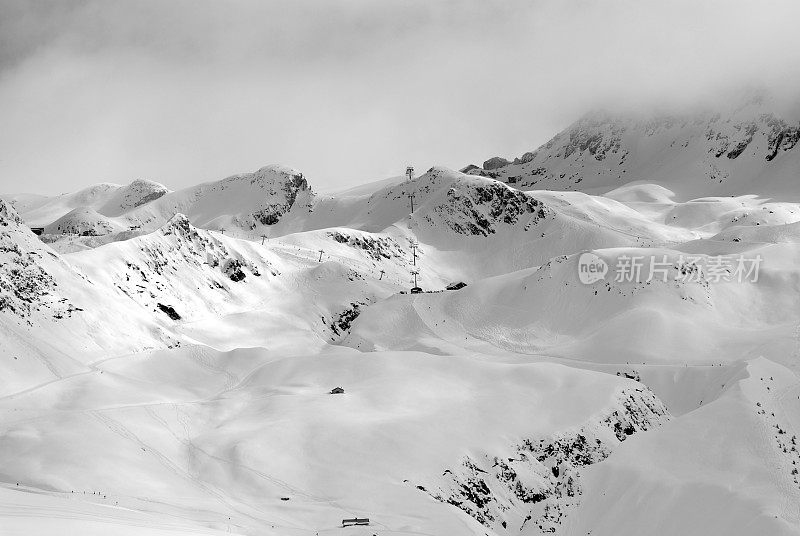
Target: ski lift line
x,y
620,231
478,354
667,243
566,360
654,244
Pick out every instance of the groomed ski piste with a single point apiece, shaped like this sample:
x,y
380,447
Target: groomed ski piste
x,y
168,357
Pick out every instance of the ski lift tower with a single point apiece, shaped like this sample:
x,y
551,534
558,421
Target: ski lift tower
x,y
415,289
409,178
413,245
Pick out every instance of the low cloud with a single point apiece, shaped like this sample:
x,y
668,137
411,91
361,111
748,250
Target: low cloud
x,y
349,91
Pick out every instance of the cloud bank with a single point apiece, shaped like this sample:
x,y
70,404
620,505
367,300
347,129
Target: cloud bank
x,y
351,90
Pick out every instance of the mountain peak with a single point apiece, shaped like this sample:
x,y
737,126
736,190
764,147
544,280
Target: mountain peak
x,y
272,174
178,224
277,169
699,152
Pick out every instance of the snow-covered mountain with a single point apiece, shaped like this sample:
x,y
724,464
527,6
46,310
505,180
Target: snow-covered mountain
x,y
246,202
106,199
169,359
749,148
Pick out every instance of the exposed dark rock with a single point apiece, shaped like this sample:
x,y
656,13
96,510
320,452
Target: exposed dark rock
x,y
8,215
271,213
378,248
233,269
780,136
595,133
169,311
479,210
496,162
525,158
630,375
541,482
25,286
345,319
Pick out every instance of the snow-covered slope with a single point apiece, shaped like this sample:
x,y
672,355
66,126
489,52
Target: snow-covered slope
x,y
730,467
750,148
247,201
159,290
218,286
203,435
41,211
53,319
174,373
139,192
83,221
470,227
548,310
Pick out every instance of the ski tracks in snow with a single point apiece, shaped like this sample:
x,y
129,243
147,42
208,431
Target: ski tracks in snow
x,y
120,429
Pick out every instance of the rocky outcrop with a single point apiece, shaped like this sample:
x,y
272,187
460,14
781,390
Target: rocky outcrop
x,y
180,248
525,158
597,135
732,141
376,247
537,481
496,162
196,246
281,193
341,324
26,286
611,149
480,209
233,269
780,136
8,216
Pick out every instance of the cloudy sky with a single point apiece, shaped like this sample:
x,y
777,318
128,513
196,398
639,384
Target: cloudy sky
x,y
347,91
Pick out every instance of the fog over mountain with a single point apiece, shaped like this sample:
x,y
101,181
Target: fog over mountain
x,y
184,92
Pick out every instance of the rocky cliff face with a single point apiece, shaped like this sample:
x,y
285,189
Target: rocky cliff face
x,y
537,481
476,207
179,257
495,162
8,216
25,285
281,197
711,151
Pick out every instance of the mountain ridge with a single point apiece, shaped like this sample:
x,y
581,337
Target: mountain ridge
x,y
248,356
